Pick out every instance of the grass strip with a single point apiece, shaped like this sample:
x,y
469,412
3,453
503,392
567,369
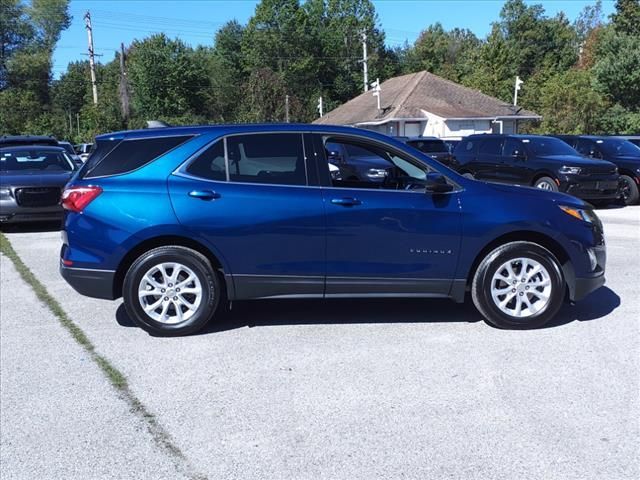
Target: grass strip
x,y
115,377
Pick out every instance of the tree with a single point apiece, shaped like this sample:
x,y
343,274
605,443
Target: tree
x,y
588,20
166,81
617,70
263,98
626,19
570,105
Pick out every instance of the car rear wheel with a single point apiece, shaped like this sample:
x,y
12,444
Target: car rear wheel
x,y
630,193
518,285
171,291
546,183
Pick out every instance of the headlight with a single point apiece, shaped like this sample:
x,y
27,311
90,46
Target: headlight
x,y
376,173
585,215
5,192
570,170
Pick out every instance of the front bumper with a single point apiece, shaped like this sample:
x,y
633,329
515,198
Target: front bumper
x,y
584,286
591,188
88,282
12,213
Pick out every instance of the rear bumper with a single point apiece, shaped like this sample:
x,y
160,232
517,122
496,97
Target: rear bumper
x,y
88,282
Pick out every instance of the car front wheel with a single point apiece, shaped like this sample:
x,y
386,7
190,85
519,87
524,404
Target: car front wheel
x,y
630,193
546,183
171,291
518,285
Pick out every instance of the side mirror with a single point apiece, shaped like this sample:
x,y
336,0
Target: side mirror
x,y
437,183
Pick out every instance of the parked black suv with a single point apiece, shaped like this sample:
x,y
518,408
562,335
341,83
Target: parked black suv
x,y
623,153
543,162
432,146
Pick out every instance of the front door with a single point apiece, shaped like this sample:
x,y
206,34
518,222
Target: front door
x,y
388,237
246,197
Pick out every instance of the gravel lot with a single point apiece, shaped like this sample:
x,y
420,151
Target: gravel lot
x,y
339,389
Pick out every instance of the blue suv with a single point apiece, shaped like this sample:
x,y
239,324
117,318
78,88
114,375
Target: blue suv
x,y
178,221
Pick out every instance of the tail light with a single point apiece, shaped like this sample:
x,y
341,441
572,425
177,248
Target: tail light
x,y
76,199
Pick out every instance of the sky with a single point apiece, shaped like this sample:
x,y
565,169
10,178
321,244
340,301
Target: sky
x,y
196,21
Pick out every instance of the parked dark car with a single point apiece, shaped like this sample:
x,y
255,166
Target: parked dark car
x,y
71,152
635,139
179,220
432,146
624,154
31,182
543,162
25,140
356,164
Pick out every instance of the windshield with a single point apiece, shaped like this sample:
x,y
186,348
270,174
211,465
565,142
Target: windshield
x,y
615,147
35,160
548,146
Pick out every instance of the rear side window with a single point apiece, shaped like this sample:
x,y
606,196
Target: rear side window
x,y
210,164
466,146
130,155
429,146
275,158
491,146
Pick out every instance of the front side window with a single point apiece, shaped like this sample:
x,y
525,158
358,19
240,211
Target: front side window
x,y
616,147
272,158
374,166
512,147
34,160
210,164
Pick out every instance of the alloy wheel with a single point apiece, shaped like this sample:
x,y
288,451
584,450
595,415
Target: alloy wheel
x,y
521,287
170,293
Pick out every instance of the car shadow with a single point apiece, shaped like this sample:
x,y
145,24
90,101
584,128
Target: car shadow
x,y
35,227
260,313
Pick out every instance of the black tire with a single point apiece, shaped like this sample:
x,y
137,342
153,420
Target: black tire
x,y
193,260
548,182
630,193
484,275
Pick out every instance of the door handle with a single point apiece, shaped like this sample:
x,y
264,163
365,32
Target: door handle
x,y
346,202
204,194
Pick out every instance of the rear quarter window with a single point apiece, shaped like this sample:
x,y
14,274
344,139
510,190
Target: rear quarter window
x,y
129,155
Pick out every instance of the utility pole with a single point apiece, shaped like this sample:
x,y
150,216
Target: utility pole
x,y
124,87
320,107
78,123
365,65
286,108
515,92
92,62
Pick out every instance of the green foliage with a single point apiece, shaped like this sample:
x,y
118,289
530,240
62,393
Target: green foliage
x,y
627,17
581,77
569,104
617,70
165,78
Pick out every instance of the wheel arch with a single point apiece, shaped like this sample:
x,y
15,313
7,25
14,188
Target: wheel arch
x,y
163,241
538,175
538,238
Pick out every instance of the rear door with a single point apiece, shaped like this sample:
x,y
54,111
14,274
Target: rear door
x,y
247,197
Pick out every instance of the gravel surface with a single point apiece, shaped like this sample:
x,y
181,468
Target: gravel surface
x,y
359,389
